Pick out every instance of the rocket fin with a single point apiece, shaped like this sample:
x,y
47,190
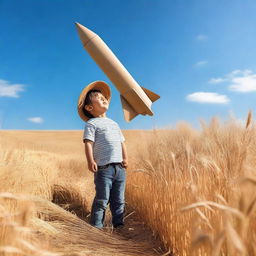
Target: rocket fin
x,y
153,96
129,112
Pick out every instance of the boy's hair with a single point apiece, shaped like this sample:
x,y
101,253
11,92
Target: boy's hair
x,y
88,101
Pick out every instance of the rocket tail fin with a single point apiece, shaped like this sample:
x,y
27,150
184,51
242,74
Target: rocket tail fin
x,y
129,112
152,96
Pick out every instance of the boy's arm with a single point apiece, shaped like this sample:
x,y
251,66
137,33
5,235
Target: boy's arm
x,y
125,155
92,165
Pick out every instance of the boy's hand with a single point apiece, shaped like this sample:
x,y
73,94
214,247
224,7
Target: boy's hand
x,y
92,166
125,163
125,157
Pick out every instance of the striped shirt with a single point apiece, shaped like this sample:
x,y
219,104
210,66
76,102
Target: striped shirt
x,y
107,138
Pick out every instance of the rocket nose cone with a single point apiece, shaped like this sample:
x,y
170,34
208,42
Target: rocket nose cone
x,y
85,34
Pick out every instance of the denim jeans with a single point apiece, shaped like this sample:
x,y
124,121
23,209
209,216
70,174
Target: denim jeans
x,y
110,188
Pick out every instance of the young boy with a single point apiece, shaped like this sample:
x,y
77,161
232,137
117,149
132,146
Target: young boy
x,y
105,152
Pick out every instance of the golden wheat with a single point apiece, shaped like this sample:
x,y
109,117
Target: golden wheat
x,y
195,189
189,169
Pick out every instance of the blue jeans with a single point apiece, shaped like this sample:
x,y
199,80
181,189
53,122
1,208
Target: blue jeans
x,y
110,187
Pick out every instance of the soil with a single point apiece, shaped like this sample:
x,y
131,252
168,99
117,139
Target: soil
x,y
136,231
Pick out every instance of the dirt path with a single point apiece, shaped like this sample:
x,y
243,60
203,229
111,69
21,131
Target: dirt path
x,y
135,231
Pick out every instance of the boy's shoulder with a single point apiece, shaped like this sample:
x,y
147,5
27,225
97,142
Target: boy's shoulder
x,y
99,121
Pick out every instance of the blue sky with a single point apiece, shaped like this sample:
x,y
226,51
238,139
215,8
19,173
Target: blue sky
x,y
198,55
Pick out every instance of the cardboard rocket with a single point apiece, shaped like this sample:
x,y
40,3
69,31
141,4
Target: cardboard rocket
x,y
135,99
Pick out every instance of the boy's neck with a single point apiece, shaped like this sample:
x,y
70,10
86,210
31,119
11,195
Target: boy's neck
x,y
102,115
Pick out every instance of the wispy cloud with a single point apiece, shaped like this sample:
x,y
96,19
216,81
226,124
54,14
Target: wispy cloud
x,y
244,84
201,37
10,90
236,72
239,80
201,63
208,97
216,80
37,120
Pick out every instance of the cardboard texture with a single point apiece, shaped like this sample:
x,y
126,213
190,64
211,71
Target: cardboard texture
x,y
135,99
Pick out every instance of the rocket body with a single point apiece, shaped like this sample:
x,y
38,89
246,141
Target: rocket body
x,y
135,99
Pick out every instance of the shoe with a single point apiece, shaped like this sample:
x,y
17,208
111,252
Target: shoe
x,y
118,226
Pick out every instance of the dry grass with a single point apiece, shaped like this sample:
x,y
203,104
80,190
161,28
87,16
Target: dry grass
x,y
195,189
47,229
53,192
17,237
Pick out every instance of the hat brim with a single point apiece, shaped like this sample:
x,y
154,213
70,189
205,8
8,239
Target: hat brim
x,y
97,85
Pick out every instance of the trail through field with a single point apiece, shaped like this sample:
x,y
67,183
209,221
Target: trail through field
x,y
137,232
77,237
134,236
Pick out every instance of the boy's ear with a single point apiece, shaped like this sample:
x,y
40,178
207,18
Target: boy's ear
x,y
88,107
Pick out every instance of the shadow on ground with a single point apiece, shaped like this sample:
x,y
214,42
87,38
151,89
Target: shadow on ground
x,y
134,229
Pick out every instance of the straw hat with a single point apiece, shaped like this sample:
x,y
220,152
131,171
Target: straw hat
x,y
97,85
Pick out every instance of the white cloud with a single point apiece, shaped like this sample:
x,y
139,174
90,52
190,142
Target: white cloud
x,y
201,37
239,80
237,72
217,80
201,63
10,90
208,97
37,120
244,84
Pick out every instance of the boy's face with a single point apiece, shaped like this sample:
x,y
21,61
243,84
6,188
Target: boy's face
x,y
99,104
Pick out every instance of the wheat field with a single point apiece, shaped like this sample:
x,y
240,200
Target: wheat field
x,y
194,189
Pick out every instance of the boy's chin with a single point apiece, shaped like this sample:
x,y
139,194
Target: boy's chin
x,y
104,112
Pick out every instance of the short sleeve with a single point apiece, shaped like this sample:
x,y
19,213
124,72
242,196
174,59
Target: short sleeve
x,y
122,136
89,132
